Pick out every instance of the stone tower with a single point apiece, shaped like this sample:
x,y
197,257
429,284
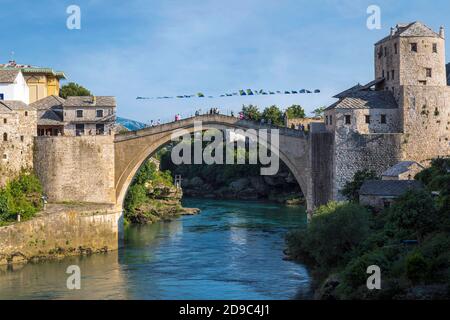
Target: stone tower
x,y
411,55
412,62
403,114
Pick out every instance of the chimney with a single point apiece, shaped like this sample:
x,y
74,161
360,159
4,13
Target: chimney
x,y
442,32
392,31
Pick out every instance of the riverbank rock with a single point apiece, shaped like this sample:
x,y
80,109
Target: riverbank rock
x,y
239,185
259,185
190,211
327,290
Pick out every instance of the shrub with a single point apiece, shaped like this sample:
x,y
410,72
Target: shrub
x,y
416,267
21,195
415,213
334,231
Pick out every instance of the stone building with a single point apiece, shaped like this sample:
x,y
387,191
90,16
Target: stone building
x,y
402,115
89,115
41,82
50,120
75,116
294,123
380,194
17,132
404,170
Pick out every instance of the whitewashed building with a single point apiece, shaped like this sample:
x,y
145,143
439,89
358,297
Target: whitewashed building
x,y
13,86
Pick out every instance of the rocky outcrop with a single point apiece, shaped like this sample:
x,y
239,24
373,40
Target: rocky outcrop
x,y
281,188
163,203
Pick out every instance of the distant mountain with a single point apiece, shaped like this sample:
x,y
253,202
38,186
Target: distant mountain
x,y
130,124
448,73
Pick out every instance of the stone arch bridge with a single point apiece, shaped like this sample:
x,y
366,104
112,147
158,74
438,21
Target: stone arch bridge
x,y
296,150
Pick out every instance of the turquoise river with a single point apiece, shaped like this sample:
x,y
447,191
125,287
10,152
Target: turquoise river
x,y
232,250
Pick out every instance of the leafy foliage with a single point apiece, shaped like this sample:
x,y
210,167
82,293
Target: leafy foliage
x,y
20,196
73,89
251,112
295,111
274,114
138,193
318,112
334,230
414,216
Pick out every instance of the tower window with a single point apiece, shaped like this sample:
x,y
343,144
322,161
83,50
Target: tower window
x,y
393,74
367,119
385,51
26,113
21,138
429,72
5,137
388,75
5,120
331,120
326,120
380,52
5,156
383,119
435,48
414,47
395,48
382,73
347,119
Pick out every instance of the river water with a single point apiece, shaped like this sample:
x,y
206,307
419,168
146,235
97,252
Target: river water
x,y
232,250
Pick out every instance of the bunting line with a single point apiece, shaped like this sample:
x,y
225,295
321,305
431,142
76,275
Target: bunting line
x,y
241,92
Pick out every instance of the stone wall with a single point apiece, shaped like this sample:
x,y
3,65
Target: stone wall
x,y
76,168
354,152
16,153
60,234
426,121
322,167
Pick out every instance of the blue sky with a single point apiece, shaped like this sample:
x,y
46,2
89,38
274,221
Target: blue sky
x,y
168,48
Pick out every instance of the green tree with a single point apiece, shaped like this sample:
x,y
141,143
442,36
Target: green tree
x,y
251,112
351,188
415,213
73,89
333,232
295,111
318,112
274,114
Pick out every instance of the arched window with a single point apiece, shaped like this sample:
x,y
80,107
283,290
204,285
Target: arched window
x,y
5,137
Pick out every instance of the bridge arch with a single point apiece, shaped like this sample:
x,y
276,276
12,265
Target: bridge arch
x,y
132,149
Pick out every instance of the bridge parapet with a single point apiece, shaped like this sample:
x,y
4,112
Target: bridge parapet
x,y
207,119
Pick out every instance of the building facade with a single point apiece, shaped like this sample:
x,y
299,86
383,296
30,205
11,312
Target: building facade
x,y
17,132
89,115
13,86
